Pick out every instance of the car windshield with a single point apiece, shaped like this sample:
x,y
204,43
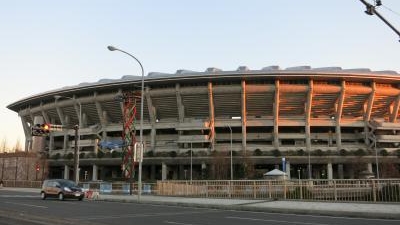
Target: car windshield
x,y
67,183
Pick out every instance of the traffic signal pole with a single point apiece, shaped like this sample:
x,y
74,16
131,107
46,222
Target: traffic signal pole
x,y
76,156
371,11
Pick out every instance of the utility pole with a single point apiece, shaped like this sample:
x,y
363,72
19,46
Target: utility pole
x,y
371,11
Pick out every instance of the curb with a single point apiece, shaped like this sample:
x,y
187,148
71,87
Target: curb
x,y
249,207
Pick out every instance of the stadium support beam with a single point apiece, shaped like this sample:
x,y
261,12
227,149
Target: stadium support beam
x,y
211,115
339,111
152,115
395,111
368,111
60,113
244,118
308,115
181,107
28,134
100,112
276,115
44,114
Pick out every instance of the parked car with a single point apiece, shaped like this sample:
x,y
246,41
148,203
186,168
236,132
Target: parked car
x,y
61,189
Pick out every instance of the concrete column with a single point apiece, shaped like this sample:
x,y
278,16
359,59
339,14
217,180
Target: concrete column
x,y
330,171
164,171
181,175
276,115
370,167
152,172
288,169
211,115
66,172
308,116
38,142
203,168
338,116
340,171
94,173
244,118
368,112
153,138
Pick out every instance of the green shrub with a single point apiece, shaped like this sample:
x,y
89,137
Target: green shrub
x,y
100,154
384,152
318,152
276,153
115,154
82,155
301,152
172,154
343,152
257,152
360,152
56,156
149,154
69,156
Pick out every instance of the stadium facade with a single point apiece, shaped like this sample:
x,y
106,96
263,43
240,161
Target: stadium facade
x,y
321,123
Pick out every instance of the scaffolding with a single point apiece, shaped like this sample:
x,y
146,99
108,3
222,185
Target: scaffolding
x,y
129,133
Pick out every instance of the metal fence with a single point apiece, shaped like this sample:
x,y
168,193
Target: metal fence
x,y
346,190
313,190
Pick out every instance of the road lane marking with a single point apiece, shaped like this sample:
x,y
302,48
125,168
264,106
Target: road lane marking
x,y
275,221
172,222
29,205
139,215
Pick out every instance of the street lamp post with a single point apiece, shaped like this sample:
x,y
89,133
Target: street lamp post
x,y
376,158
77,138
191,161
112,48
230,129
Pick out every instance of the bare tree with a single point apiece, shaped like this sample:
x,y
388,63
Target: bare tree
x,y
3,145
17,147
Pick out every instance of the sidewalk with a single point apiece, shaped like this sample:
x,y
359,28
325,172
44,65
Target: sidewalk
x,y
364,210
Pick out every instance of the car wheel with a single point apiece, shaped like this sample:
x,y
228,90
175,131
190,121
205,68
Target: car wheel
x,y
80,198
61,196
43,196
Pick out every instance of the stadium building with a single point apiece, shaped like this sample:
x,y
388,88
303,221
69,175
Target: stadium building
x,y
320,123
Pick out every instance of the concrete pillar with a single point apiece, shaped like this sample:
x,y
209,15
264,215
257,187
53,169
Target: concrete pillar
x,y
370,167
181,172
288,169
244,118
66,172
152,172
94,173
340,171
203,170
38,142
330,171
276,115
163,171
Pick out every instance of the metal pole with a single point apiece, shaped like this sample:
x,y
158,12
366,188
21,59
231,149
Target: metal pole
x,y
112,48
309,164
230,129
77,138
376,158
76,159
191,162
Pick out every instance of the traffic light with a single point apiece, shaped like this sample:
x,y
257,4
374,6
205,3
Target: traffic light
x,y
41,129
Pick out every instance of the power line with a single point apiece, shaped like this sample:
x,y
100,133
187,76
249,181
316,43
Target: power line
x,y
370,10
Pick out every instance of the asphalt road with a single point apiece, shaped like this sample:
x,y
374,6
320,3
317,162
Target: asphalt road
x,y
27,208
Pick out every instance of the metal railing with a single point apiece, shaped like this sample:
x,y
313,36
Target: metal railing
x,y
346,190
368,190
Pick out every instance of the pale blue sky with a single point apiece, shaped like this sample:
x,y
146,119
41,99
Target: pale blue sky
x,y
50,44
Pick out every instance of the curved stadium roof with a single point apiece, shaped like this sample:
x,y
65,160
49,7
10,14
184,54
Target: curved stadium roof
x,y
212,73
